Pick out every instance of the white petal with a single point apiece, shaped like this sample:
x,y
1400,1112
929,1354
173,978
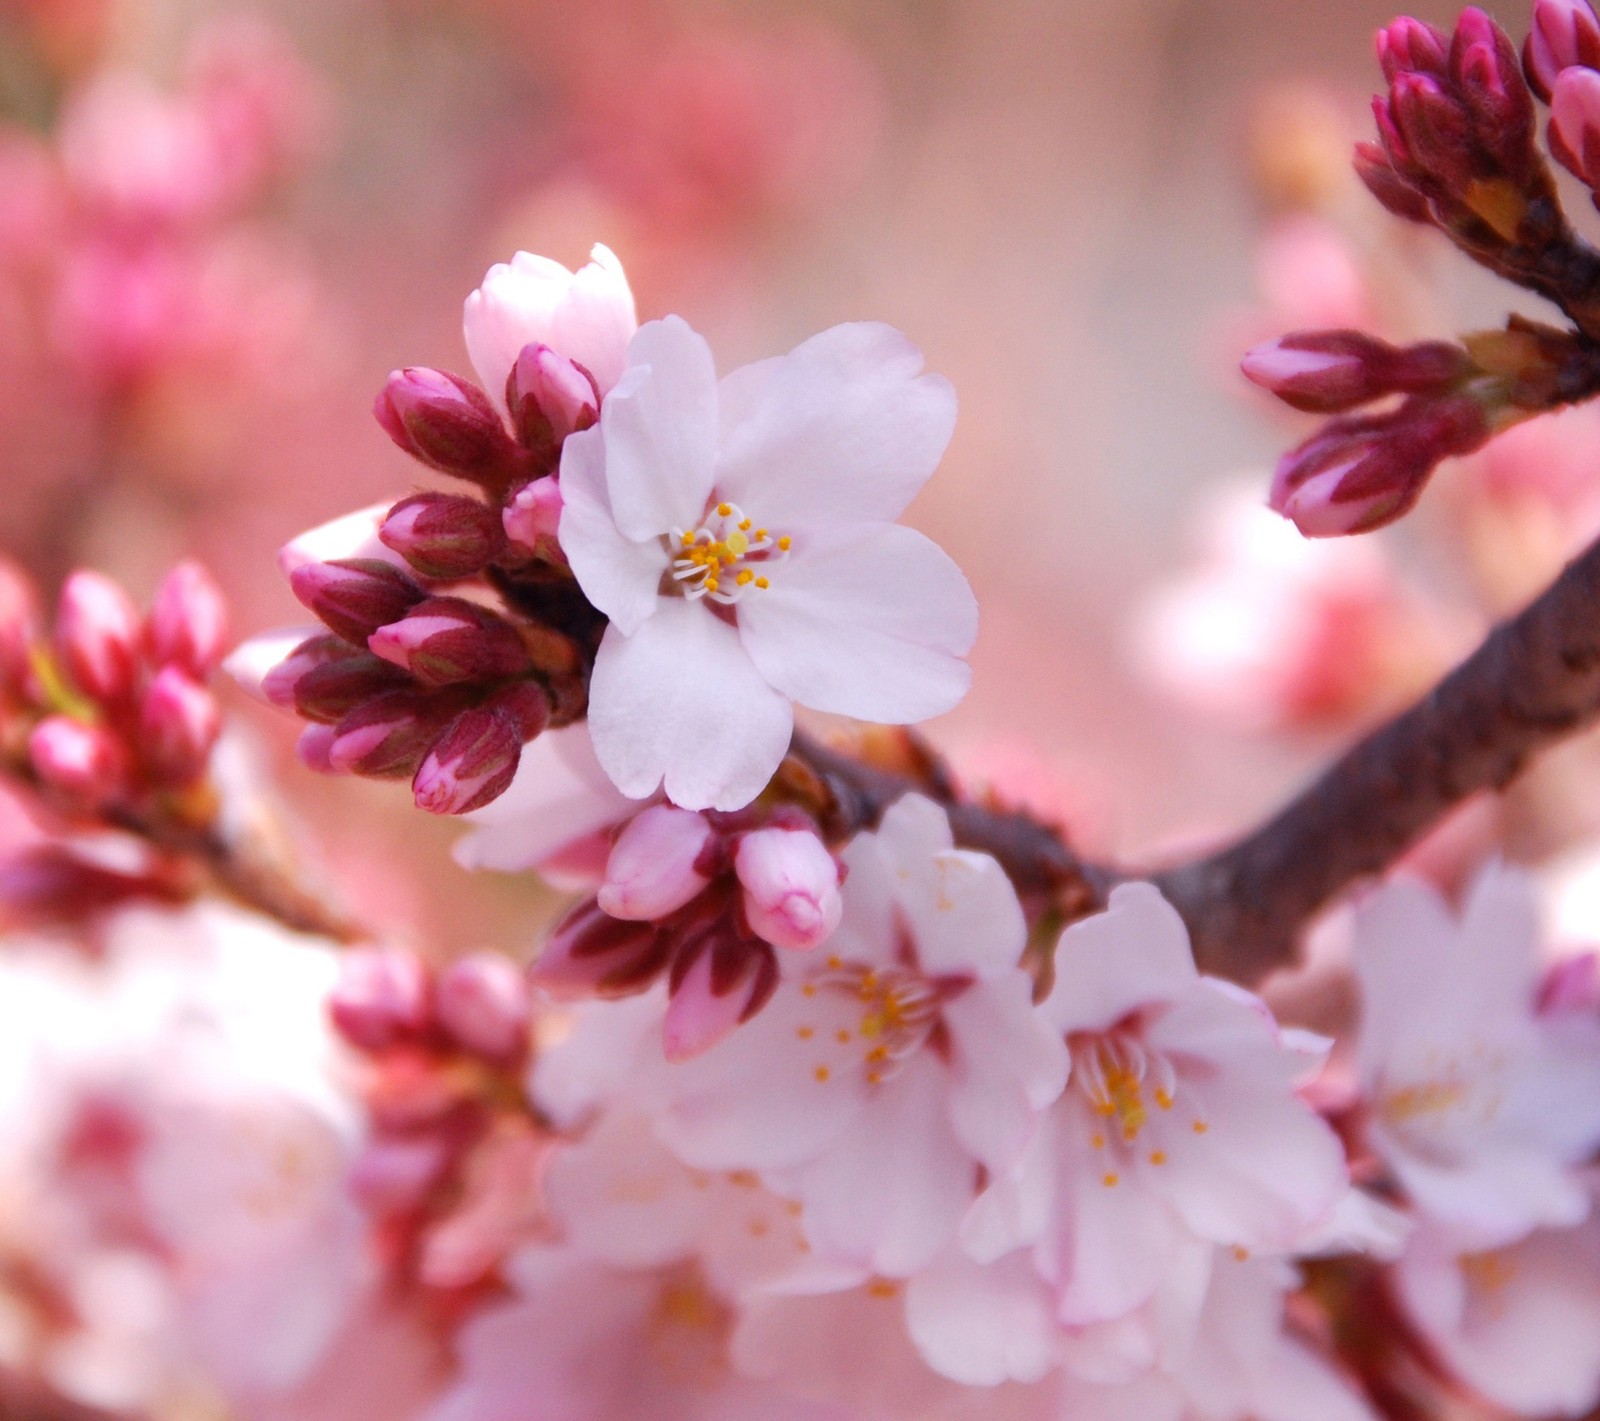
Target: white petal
x,y
841,428
870,622
680,700
983,1325
1133,954
595,323
620,575
964,915
660,431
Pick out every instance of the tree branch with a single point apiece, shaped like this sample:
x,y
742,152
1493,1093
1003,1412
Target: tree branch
x,y
1533,682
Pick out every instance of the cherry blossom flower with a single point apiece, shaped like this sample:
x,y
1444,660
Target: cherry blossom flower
x,y
586,316
891,1063
740,537
1480,1104
1180,1125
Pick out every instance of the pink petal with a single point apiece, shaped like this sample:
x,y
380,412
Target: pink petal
x,y
620,576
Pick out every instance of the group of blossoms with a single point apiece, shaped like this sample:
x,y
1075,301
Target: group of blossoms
x,y
843,1131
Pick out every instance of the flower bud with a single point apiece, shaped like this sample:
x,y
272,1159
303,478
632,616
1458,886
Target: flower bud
x,y
82,761
1375,170
1328,372
482,1001
1575,124
444,535
791,886
651,871
549,397
1565,35
393,1175
447,423
448,639
532,516
590,953
1488,79
386,737
381,997
702,1010
355,596
178,726
470,764
97,636
328,688
315,747
257,665
1411,46
188,623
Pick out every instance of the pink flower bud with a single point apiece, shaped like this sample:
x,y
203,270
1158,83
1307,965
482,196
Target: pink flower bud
x,y
791,886
82,761
178,725
703,1010
381,997
256,665
590,953
549,397
444,535
532,516
1375,170
1565,35
482,1001
356,596
1434,135
188,623
327,686
1409,45
652,868
469,765
19,623
1328,372
393,1175
444,640
447,423
386,737
1575,123
315,748
97,636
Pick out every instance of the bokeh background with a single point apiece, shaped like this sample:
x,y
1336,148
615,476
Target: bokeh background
x,y
1082,211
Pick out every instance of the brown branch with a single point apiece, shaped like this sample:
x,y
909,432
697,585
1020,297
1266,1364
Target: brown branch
x,y
1533,682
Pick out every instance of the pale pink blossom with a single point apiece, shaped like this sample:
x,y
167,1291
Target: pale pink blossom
x,y
1478,1103
587,316
791,886
891,1063
652,869
1519,1324
740,538
1180,1123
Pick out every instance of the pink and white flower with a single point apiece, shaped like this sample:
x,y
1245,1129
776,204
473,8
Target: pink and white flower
x,y
1179,1128
891,1064
1481,1104
740,536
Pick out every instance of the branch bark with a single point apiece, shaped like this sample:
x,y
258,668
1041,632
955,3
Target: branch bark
x,y
1533,682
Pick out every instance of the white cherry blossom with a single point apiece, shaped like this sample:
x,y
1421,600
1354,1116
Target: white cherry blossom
x,y
741,538
1480,1104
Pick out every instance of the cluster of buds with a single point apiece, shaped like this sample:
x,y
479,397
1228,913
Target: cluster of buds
x,y
704,900
1562,62
451,1166
1361,471
111,713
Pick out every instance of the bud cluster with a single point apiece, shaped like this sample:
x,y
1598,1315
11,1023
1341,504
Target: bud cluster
x,y
452,1150
703,900
1561,60
112,710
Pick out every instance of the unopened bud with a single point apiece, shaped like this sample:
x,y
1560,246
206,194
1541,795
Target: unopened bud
x,y
725,984
1575,124
188,623
1328,372
355,596
470,764
386,737
97,636
381,997
549,397
447,422
1565,35
590,953
255,664
532,517
315,749
178,726
84,762
482,1001
1411,46
444,640
791,887
652,867
328,688
1373,167
444,535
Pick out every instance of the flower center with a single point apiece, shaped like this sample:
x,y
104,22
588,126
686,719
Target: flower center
x,y
725,557
1130,1089
890,1014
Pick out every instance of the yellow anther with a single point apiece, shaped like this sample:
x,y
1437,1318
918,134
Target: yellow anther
x,y
835,963
822,1073
1158,1156
808,989
874,1078
1240,1255
1200,1127
843,1036
760,534
724,509
688,540
783,543
1164,1099
762,583
1098,1141
1110,1181
878,1054
745,576
744,527
805,1033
